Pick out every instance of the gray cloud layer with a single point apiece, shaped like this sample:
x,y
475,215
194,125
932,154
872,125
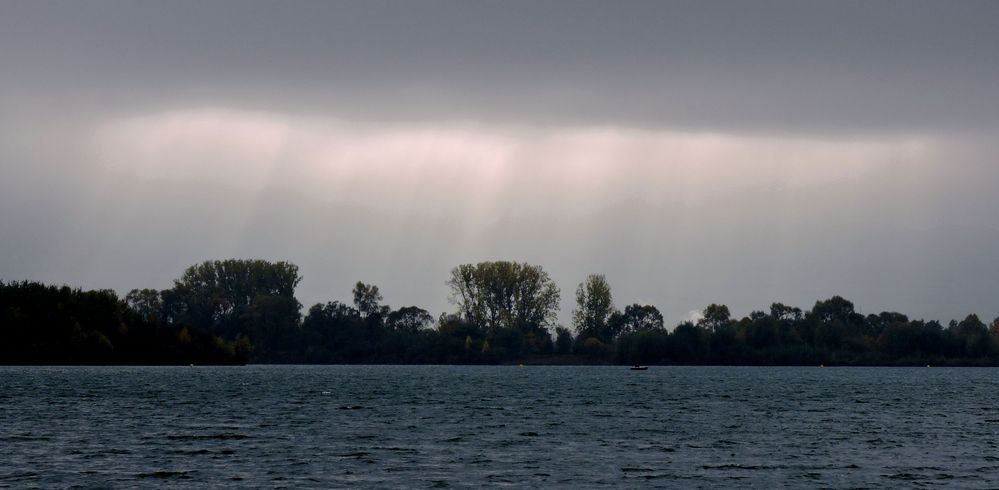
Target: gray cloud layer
x,y
742,65
736,152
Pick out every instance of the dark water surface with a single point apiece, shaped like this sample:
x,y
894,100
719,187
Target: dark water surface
x,y
451,426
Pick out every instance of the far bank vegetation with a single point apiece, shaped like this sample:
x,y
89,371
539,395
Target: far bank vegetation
x,y
239,311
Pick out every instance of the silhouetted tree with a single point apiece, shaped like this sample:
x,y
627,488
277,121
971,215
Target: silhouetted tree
x,y
974,335
367,300
637,318
594,307
501,295
233,297
780,311
227,311
563,340
335,333
715,316
42,324
410,319
689,344
147,303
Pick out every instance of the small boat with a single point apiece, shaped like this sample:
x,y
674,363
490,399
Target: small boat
x,y
636,367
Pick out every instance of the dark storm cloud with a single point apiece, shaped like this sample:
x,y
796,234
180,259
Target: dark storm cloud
x,y
760,65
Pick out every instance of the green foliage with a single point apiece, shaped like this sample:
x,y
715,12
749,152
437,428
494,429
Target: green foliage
x,y
594,308
234,311
835,309
781,312
229,298
595,350
367,300
501,295
409,319
637,318
147,303
715,317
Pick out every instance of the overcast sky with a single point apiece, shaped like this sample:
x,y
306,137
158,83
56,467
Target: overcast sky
x,y
694,152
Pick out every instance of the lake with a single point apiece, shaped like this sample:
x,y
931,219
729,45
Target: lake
x,y
470,426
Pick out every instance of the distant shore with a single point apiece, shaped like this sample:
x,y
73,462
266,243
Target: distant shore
x,y
235,312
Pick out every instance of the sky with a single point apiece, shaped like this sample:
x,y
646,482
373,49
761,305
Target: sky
x,y
693,152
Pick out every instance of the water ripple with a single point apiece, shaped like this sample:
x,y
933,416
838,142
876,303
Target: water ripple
x,y
446,427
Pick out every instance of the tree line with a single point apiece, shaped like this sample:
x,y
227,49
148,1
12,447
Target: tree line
x,y
238,311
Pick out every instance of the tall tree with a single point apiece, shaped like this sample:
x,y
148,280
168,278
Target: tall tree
x,y
368,300
715,317
594,307
974,334
780,311
835,309
237,297
147,303
505,294
638,318
410,319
